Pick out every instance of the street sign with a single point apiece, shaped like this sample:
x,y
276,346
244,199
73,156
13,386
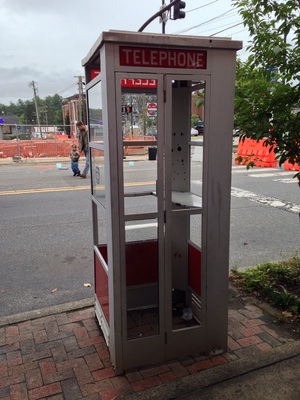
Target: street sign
x,y
151,109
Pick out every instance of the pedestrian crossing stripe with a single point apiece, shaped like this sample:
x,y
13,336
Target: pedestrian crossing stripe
x,y
268,201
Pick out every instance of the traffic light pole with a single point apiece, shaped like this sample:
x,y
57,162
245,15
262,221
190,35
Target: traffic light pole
x,y
163,24
158,14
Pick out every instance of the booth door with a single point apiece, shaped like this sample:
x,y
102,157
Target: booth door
x,y
162,294
139,107
185,272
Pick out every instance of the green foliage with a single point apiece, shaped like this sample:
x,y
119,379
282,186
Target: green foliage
x,y
267,87
276,282
50,110
199,98
194,119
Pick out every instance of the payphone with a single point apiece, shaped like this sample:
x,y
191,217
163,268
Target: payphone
x,y
160,224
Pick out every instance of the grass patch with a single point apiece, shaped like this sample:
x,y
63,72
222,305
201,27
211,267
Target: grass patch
x,y
277,283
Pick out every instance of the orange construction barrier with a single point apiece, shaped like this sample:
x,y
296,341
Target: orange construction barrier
x,y
291,167
257,152
35,148
137,150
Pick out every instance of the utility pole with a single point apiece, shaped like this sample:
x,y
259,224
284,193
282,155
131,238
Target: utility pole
x,y
163,23
32,84
44,111
80,98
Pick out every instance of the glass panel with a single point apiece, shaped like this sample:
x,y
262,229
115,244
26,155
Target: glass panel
x,y
142,278
139,108
139,126
186,272
98,175
187,142
187,162
196,172
140,186
95,113
197,136
195,229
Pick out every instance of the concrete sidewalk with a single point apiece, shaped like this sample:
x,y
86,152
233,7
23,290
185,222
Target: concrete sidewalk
x,y
60,353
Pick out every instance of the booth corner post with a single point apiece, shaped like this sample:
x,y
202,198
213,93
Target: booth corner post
x,y
161,225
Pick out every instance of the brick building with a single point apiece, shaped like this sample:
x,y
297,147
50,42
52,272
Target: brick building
x,y
73,110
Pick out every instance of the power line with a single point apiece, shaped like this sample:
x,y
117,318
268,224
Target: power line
x,y
206,22
220,26
197,8
73,84
226,29
231,34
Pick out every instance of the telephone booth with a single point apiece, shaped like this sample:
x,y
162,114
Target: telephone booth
x,y
160,195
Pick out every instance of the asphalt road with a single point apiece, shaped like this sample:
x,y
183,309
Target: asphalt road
x,y
46,229
46,238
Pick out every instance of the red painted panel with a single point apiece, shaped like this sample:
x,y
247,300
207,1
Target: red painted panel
x,y
101,283
141,263
195,269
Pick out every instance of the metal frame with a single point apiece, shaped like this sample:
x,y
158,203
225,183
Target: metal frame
x,y
211,334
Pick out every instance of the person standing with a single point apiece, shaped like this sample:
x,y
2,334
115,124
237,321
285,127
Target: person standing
x,y
74,156
83,145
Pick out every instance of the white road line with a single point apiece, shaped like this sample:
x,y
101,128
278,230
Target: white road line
x,y
268,201
285,180
141,226
269,175
239,169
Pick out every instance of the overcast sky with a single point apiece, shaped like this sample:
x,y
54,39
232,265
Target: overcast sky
x,y
45,40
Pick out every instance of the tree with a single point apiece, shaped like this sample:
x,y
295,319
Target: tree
x,y
50,110
268,99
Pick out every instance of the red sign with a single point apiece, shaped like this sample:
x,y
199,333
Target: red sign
x,y
94,72
152,109
162,58
137,83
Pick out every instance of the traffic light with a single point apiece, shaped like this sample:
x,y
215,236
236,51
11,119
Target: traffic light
x,y
177,10
126,109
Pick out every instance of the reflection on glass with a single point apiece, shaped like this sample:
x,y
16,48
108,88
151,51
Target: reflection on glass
x,y
98,175
95,112
142,279
139,126
139,108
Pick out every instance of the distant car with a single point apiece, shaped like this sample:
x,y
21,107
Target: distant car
x,y
194,132
39,135
152,132
200,127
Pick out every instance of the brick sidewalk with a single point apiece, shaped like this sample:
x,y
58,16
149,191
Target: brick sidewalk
x,y
65,357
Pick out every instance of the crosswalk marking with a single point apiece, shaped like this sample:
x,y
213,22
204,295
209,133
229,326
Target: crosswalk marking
x,y
269,175
239,169
285,180
268,201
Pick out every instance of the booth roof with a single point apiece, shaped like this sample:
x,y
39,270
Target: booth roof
x,y
161,40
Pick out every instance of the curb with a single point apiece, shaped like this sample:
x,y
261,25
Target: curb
x,y
192,385
28,161
45,312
